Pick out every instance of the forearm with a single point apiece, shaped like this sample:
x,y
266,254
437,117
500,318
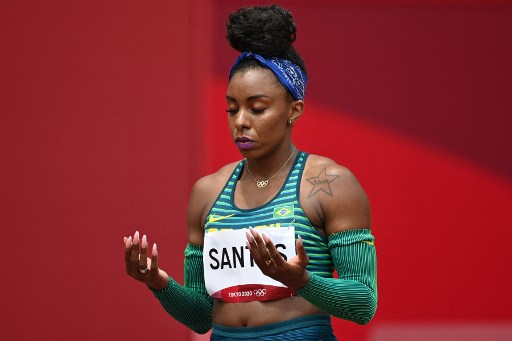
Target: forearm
x,y
189,304
352,296
346,299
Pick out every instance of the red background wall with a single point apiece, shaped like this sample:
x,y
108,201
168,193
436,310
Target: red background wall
x,y
111,110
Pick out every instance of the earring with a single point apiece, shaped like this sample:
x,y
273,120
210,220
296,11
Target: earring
x,y
289,122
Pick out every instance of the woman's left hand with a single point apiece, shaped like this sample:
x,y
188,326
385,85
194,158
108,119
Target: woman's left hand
x,y
291,273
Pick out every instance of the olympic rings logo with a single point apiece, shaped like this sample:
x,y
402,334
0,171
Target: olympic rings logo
x,y
260,292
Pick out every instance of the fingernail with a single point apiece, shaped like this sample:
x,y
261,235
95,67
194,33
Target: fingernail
x,y
248,245
154,252
125,239
144,242
136,238
127,242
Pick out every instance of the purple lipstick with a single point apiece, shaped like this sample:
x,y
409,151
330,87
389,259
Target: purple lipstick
x,y
244,143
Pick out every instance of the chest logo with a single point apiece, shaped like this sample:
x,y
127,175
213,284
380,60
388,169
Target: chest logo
x,y
283,212
213,218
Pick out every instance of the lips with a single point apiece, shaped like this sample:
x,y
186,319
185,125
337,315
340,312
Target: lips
x,y
243,139
244,142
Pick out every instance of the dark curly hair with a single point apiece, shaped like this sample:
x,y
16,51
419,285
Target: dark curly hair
x,y
266,30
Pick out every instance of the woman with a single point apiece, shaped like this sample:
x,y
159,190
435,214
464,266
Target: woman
x,y
266,233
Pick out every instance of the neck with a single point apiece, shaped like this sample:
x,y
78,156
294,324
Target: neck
x,y
272,166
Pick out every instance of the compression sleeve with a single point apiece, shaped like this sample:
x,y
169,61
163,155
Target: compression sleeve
x,y
352,296
189,304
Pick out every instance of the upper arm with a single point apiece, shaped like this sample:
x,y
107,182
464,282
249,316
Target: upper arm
x,y
334,197
202,197
196,211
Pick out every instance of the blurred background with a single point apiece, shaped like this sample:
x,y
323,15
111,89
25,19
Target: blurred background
x,y
111,110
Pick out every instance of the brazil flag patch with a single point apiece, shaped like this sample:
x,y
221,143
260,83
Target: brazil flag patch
x,y
283,212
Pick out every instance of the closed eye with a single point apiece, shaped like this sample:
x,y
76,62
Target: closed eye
x,y
257,111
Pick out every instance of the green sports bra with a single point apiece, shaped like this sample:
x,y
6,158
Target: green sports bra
x,y
283,210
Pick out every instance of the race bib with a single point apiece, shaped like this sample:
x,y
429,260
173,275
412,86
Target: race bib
x,y
230,272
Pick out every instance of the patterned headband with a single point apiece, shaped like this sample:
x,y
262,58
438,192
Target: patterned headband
x,y
289,74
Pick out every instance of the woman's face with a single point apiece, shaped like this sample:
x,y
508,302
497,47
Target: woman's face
x,y
259,109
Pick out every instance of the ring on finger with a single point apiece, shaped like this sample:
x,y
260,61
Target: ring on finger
x,y
269,261
143,271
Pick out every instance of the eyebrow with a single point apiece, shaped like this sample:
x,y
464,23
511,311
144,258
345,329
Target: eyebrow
x,y
250,98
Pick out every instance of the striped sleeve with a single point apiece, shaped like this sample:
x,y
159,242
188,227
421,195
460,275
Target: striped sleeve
x,y
189,304
352,296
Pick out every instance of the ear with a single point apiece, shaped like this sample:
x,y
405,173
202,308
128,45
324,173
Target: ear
x,y
296,109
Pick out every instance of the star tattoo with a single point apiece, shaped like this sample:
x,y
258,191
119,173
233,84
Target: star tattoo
x,y
321,183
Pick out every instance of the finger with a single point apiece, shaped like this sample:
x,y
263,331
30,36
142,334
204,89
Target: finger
x,y
260,244
274,255
251,242
252,245
264,259
134,255
251,236
127,253
301,252
258,248
143,258
154,258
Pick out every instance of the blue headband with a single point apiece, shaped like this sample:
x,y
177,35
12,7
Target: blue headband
x,y
289,74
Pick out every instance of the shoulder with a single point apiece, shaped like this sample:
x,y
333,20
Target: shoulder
x,y
207,188
334,195
202,197
321,170
218,178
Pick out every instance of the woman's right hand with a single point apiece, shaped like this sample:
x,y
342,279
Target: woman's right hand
x,y
141,267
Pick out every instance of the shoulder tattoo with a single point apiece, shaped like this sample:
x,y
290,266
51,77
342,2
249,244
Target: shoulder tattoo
x,y
321,183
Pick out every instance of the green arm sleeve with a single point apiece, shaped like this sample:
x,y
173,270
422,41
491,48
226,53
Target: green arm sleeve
x,y
352,296
189,304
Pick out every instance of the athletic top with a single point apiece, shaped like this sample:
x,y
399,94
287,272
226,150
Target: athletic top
x,y
283,210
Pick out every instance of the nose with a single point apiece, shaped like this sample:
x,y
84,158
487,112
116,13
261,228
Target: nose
x,y
242,119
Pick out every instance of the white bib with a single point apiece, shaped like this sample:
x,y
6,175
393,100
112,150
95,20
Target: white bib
x,y
230,272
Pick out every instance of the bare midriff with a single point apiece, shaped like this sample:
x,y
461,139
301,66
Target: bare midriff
x,y
255,313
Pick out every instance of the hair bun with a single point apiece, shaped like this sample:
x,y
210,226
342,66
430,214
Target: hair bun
x,y
265,30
